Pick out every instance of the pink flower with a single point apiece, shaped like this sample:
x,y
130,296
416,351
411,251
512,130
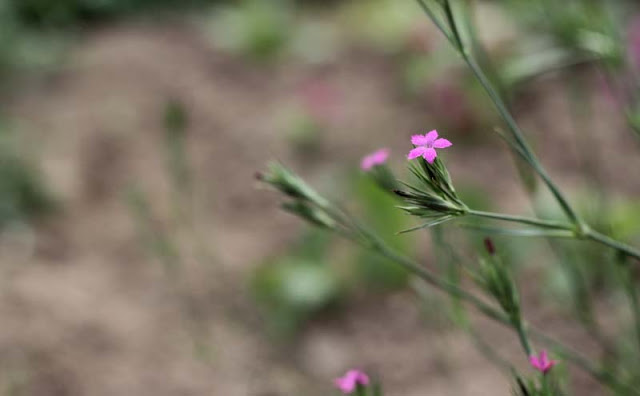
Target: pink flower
x,y
427,145
376,158
350,381
542,362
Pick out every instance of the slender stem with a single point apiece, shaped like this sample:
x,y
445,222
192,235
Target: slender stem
x,y
456,34
581,228
367,238
522,335
635,305
427,10
564,351
489,353
629,285
519,137
589,233
434,280
504,112
522,219
579,360
525,232
608,241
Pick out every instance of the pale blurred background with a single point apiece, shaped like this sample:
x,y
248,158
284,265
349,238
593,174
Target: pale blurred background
x,y
139,256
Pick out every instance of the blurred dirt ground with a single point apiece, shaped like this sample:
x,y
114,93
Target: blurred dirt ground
x,y
87,310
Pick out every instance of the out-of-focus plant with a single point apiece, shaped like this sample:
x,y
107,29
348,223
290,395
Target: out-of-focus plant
x,y
23,195
34,34
22,48
560,36
157,231
563,36
379,205
316,107
382,24
309,205
257,29
431,197
69,13
290,289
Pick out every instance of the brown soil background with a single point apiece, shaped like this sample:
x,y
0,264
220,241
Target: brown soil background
x,y
87,311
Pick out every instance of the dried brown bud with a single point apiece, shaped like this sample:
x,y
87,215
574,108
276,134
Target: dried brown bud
x,y
488,244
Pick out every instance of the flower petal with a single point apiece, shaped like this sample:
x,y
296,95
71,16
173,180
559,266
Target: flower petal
x,y
416,152
430,155
534,362
380,156
350,381
366,164
346,385
431,136
376,158
544,358
419,140
362,379
442,143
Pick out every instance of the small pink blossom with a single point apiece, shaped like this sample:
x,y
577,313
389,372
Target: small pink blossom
x,y
542,362
376,158
350,381
427,145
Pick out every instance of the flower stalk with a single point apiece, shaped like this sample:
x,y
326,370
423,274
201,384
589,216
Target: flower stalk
x,y
297,190
581,230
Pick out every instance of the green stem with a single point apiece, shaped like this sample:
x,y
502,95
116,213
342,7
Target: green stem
x,y
504,112
519,137
368,239
612,243
546,386
427,10
581,228
569,354
522,335
431,278
635,306
558,225
526,232
629,285
564,351
489,353
587,232
456,34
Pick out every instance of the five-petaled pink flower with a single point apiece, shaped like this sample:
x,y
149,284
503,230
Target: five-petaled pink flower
x,y
426,146
376,158
350,381
542,362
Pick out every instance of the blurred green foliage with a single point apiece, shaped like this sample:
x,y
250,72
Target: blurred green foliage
x,y
67,13
152,236
379,208
257,29
314,273
293,287
386,25
176,122
33,33
23,194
